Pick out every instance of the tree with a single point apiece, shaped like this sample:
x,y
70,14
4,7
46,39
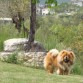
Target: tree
x,y
32,25
33,21
17,9
19,12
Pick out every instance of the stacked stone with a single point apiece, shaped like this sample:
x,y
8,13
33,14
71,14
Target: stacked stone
x,y
34,58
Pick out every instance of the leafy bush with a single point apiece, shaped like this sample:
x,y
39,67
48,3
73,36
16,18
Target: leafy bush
x,y
78,67
12,58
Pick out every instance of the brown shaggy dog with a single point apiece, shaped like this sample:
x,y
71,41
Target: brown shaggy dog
x,y
50,60
62,61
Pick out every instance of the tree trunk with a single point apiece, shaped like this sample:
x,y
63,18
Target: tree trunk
x,y
32,26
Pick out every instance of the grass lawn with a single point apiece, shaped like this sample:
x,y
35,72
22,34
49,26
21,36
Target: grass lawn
x,y
11,73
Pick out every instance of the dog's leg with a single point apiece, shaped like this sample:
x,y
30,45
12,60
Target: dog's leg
x,y
60,71
50,68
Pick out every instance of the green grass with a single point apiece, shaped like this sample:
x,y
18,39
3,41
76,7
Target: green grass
x,y
8,31
12,73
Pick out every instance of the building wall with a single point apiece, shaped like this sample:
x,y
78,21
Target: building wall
x,y
77,2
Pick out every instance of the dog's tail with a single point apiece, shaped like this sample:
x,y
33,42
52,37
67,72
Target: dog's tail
x,y
54,52
50,55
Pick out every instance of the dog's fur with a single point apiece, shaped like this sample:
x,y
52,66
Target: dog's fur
x,y
50,60
62,61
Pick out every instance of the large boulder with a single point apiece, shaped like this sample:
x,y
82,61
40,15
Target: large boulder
x,y
14,44
19,44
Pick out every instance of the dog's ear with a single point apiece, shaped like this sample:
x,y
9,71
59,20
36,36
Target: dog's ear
x,y
72,55
64,51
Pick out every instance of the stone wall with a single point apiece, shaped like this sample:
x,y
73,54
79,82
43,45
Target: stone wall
x,y
16,46
32,59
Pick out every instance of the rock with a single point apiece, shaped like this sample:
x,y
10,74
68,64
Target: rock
x,y
19,44
4,55
14,44
36,47
32,59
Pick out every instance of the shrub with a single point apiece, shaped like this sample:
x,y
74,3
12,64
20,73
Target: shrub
x,y
78,68
12,58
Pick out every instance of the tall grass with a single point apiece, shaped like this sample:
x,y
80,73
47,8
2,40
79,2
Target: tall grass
x,y
60,37
48,39
7,31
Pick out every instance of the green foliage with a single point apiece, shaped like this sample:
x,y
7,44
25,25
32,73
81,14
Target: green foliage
x,y
35,1
22,6
67,7
53,30
6,33
50,2
78,67
12,58
77,70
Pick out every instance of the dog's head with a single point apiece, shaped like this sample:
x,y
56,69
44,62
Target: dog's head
x,y
67,56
